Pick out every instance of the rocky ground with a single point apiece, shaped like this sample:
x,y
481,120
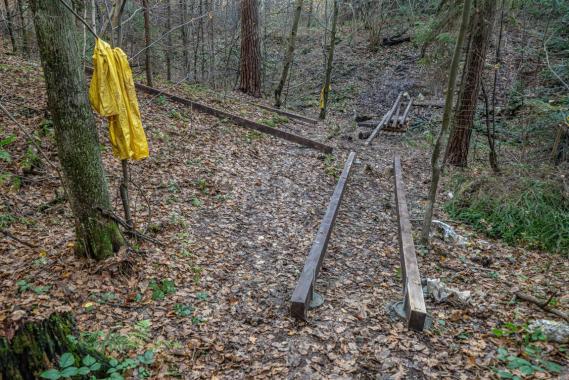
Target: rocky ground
x,y
237,212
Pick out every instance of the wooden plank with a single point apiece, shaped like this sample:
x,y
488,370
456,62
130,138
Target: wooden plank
x,y
406,113
385,120
395,119
200,107
287,113
302,294
415,309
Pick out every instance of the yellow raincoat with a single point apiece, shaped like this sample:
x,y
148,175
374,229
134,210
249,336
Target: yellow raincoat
x,y
112,94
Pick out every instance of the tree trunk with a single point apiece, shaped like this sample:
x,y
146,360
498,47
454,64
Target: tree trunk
x,y
116,24
329,62
250,73
75,130
436,162
289,52
459,141
211,71
184,31
202,44
168,40
10,26
35,347
25,43
147,41
310,10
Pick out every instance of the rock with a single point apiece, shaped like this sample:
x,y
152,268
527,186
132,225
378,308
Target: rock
x,y
553,330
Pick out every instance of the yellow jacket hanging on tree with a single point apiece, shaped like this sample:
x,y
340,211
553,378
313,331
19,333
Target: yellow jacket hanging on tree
x,y
112,94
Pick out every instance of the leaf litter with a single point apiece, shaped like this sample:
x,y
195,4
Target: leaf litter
x,y
237,212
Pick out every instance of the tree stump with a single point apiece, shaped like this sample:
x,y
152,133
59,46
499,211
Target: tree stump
x,y
35,347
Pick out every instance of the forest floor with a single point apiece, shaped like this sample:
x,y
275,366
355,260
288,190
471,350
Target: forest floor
x,y
237,212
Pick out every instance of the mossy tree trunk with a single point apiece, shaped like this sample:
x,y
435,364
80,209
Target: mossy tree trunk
x,y
75,130
329,63
289,52
36,346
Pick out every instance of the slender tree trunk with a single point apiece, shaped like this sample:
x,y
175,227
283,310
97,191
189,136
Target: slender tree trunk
x,y
436,162
116,21
75,130
250,73
310,10
93,15
329,63
184,31
459,140
202,44
10,26
168,40
196,46
289,52
211,44
147,40
493,157
25,44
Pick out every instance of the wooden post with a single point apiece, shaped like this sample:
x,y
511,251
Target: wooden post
x,y
124,194
302,295
414,305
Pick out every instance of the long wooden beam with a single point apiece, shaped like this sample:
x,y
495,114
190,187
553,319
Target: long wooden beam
x,y
200,107
240,120
302,294
414,306
287,113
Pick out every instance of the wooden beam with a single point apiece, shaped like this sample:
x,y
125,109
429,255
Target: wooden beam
x,y
414,305
287,113
302,294
200,107
384,121
406,113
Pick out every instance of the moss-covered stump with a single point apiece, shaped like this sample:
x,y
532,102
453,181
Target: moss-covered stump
x,y
36,346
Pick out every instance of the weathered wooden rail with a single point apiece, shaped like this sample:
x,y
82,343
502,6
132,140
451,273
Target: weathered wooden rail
x,y
200,107
414,302
289,114
392,121
303,292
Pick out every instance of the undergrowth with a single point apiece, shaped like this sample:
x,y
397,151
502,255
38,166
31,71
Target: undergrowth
x,y
521,211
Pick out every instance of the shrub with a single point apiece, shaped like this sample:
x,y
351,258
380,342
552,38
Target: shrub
x,y
521,211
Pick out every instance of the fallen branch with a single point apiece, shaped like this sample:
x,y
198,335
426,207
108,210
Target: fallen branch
x,y
542,304
8,234
391,41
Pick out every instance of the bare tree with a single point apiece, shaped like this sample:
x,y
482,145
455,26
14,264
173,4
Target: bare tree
x,y
10,26
289,52
25,44
329,63
147,40
436,162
